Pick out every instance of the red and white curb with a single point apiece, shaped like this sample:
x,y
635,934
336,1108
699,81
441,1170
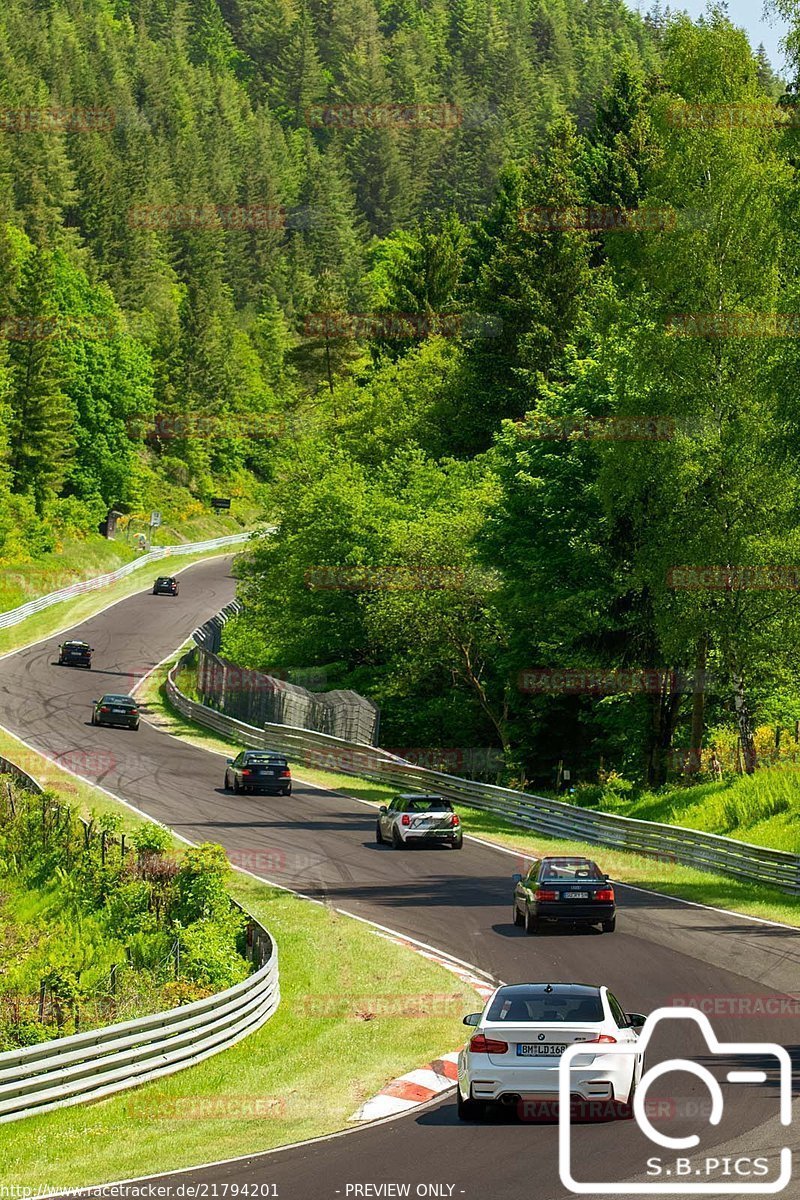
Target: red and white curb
x,y
420,1086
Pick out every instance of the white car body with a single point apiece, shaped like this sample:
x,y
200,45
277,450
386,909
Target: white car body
x,y
532,1073
417,818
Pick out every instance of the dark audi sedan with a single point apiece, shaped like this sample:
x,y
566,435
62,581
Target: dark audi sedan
x,y
75,654
116,710
570,891
165,585
259,771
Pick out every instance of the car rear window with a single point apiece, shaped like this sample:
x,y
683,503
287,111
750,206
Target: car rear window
x,y
543,1008
429,806
568,871
265,758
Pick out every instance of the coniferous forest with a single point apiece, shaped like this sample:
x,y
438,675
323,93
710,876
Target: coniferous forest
x,y
491,303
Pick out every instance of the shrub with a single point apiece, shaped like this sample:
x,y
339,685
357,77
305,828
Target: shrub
x,y
208,951
151,838
202,876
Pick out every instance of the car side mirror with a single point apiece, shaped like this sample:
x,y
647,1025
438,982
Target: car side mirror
x,y
383,808
636,1020
516,877
472,1019
228,761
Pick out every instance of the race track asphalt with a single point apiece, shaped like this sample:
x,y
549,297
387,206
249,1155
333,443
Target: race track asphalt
x,y
322,844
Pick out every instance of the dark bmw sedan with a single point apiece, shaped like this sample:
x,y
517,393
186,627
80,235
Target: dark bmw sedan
x,y
75,654
116,710
570,891
259,771
166,585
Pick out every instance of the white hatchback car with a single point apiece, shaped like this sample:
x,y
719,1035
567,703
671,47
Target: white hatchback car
x,y
519,1038
413,818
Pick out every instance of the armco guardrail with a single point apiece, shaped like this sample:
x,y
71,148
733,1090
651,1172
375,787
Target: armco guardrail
x,y
101,1062
671,843
15,615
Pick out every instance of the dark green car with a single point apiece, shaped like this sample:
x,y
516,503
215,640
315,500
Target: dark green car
x,y
116,710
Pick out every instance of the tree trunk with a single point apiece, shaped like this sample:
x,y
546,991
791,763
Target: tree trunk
x,y
744,723
698,707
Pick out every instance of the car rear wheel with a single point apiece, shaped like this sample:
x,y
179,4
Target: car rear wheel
x,y
518,918
610,926
236,785
135,727
226,787
531,924
94,719
286,791
458,843
378,834
469,1110
397,841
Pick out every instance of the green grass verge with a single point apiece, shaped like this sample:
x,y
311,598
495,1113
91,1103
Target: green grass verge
x,y
671,879
763,808
356,1011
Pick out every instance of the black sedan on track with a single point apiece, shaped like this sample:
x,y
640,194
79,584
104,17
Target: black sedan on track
x,y
259,771
165,585
570,891
116,710
75,654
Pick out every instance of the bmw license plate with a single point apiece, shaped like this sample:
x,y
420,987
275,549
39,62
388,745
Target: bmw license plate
x,y
576,895
118,710
533,1050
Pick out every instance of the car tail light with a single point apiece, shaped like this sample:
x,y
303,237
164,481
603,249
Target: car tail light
x,y
246,772
483,1045
454,819
605,895
604,1037
105,708
405,819
285,774
543,894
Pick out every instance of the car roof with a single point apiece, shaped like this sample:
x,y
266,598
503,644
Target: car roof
x,y
555,989
74,642
266,753
117,696
165,579
566,858
418,796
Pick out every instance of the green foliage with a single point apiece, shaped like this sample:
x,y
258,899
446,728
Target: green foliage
x,y
89,935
